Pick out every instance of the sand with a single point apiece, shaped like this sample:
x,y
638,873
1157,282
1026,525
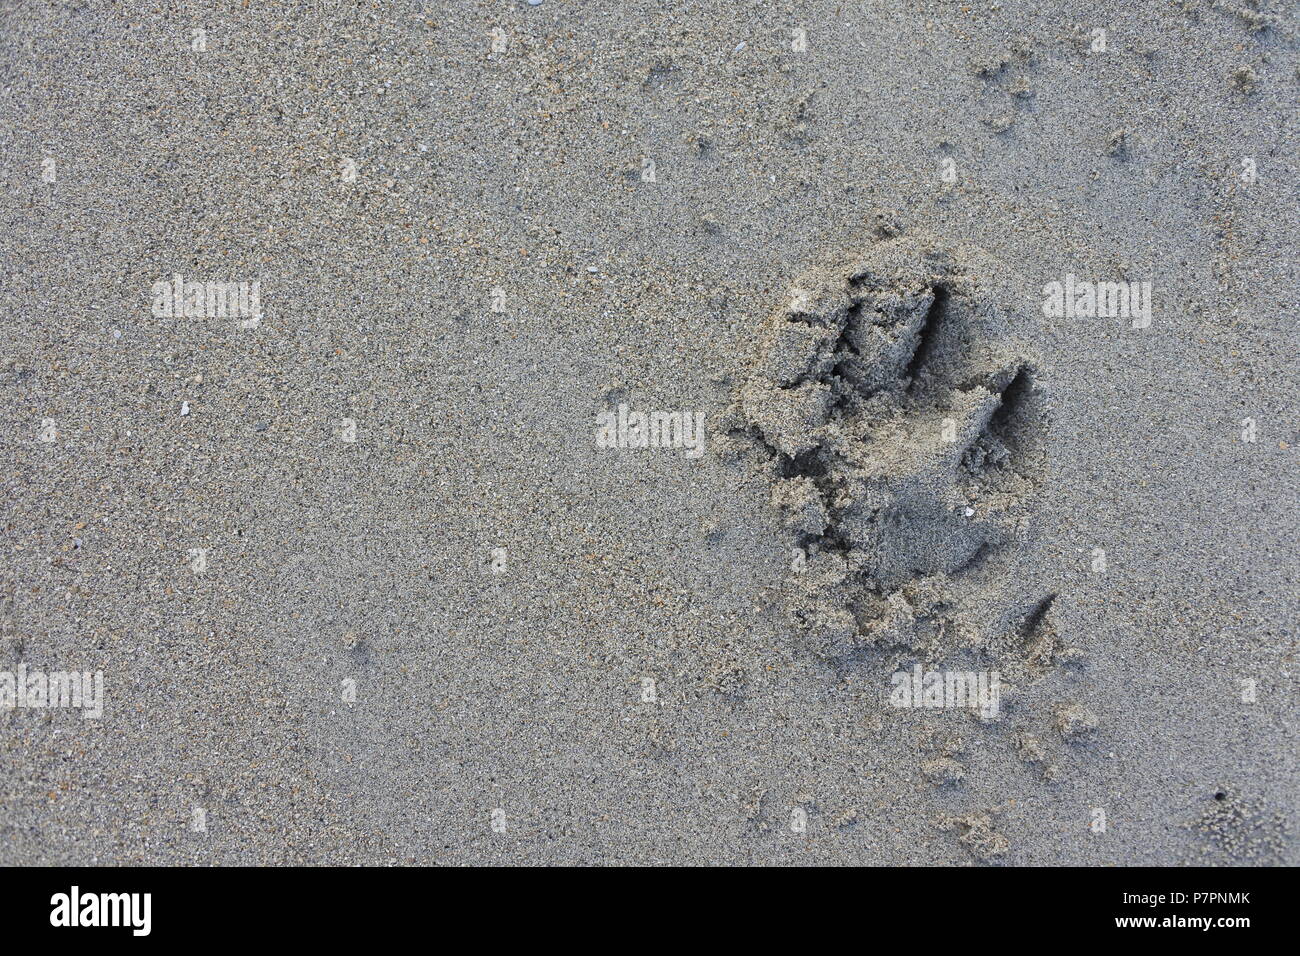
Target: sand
x,y
376,570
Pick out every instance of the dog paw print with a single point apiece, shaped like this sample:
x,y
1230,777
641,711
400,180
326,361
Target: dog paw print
x,y
903,429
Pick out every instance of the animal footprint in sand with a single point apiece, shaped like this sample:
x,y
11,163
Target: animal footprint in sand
x,y
904,434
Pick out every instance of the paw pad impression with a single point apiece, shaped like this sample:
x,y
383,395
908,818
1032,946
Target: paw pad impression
x,y
904,432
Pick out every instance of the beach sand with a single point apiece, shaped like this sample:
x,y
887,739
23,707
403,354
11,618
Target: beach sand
x,y
364,578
